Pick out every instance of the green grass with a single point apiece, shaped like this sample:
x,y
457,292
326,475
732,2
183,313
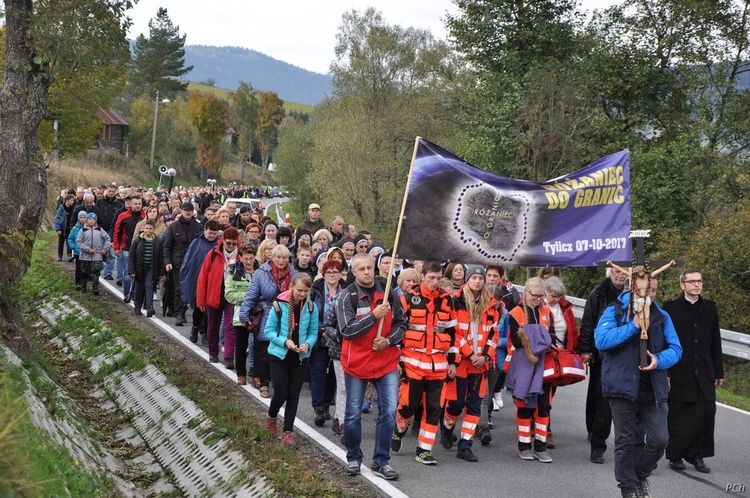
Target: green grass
x,y
30,466
225,94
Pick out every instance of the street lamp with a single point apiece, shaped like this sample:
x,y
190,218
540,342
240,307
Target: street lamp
x,y
153,135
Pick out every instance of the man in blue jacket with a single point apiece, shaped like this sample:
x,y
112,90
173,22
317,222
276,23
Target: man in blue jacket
x,y
636,394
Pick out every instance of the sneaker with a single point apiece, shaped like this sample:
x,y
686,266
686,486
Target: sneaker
x,y
137,312
229,363
467,455
150,312
550,442
542,456
287,438
213,358
352,468
384,471
425,457
497,401
320,418
485,438
526,455
271,425
644,489
396,441
179,319
597,456
446,437
107,277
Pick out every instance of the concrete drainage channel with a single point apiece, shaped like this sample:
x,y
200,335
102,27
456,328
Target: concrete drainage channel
x,y
174,432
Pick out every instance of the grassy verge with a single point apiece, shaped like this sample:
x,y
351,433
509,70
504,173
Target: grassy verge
x,y
30,465
736,389
300,472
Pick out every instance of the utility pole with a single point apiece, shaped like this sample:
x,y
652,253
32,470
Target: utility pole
x,y
153,135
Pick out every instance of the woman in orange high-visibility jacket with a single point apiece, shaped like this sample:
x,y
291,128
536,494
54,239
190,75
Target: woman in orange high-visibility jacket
x,y
427,359
534,409
477,320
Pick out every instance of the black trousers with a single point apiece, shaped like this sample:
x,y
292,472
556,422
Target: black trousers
x,y
598,412
288,376
242,336
261,366
179,306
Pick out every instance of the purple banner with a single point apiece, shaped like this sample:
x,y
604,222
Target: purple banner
x,y
458,212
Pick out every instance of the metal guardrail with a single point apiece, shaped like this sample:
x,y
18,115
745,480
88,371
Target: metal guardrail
x,y
732,343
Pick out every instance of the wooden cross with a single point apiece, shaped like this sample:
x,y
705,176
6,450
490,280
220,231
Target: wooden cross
x,y
640,284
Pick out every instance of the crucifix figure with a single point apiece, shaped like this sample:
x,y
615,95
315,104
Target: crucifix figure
x,y
640,275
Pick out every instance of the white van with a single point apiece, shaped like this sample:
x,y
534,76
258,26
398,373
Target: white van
x,y
255,204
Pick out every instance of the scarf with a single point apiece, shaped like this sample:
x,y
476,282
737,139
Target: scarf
x,y
283,278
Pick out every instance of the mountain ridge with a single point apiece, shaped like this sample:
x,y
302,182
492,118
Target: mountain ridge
x,y
227,66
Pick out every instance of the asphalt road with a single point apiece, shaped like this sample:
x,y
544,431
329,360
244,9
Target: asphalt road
x,y
500,471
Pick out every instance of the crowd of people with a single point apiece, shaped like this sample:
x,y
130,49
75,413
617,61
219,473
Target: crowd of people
x,y
434,343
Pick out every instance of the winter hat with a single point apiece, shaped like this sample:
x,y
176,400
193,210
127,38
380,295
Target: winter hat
x,y
82,214
167,217
92,215
475,270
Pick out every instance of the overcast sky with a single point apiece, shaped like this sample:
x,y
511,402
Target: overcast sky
x,y
300,32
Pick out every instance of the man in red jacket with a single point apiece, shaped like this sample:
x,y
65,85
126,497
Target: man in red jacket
x,y
369,355
123,238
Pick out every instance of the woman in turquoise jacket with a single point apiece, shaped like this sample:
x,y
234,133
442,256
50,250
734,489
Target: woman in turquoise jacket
x,y
292,331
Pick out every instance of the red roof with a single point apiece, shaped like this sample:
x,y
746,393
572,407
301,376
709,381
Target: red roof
x,y
110,117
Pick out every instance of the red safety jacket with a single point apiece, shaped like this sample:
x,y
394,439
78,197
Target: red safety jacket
x,y
479,340
430,333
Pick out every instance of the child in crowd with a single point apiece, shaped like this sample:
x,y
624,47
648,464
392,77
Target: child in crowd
x,y
302,261
144,267
74,247
94,243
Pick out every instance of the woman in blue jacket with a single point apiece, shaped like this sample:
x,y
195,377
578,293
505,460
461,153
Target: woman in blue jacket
x,y
292,331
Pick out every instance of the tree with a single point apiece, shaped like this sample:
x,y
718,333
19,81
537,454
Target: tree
x,y
159,59
40,37
390,85
270,115
210,116
244,107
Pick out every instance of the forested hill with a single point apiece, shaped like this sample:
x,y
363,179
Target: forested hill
x,y
227,66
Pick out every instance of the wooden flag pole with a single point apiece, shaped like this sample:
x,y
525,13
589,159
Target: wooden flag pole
x,y
398,230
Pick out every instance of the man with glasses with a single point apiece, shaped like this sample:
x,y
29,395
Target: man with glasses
x,y
369,355
598,414
692,398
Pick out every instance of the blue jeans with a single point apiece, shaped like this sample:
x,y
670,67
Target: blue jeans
x,y
122,265
111,260
126,280
387,389
631,467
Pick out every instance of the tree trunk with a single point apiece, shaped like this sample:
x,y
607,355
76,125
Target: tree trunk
x,y
23,175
